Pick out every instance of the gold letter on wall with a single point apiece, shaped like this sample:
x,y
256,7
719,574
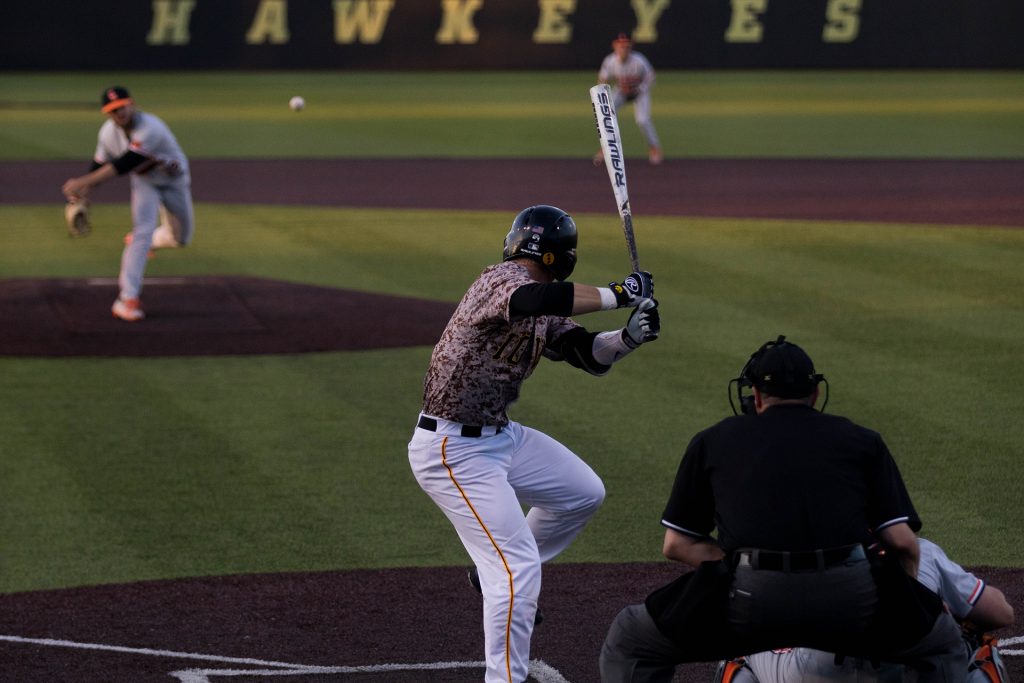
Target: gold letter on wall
x,y
170,22
745,26
457,22
361,20
270,24
842,21
647,14
552,26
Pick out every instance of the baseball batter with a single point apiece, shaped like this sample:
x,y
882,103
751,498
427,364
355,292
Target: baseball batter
x,y
137,142
479,466
632,78
969,599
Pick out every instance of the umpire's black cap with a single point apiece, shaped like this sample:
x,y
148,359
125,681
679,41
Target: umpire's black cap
x,y
784,370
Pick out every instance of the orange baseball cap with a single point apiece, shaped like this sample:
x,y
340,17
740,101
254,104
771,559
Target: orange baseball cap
x,y
114,98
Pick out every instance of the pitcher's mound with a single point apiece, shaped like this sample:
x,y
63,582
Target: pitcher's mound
x,y
195,316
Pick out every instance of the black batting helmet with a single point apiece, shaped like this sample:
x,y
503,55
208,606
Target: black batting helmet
x,y
545,234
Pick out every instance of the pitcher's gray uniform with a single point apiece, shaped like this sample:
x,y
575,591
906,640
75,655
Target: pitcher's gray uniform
x,y
137,142
478,466
632,78
958,588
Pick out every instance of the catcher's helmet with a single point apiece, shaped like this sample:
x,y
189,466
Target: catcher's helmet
x,y
545,234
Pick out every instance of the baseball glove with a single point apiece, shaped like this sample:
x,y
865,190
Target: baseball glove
x,y
630,88
76,215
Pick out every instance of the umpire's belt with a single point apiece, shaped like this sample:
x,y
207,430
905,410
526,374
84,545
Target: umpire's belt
x,y
433,424
809,560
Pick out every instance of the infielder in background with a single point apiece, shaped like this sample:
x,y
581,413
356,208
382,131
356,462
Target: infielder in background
x,y
632,78
980,608
137,142
479,466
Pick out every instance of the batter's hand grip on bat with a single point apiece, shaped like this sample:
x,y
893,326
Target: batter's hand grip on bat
x,y
635,287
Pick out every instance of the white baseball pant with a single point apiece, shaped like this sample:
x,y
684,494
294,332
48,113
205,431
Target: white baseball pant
x,y
481,484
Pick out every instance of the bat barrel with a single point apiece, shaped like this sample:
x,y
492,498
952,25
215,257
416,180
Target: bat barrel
x,y
607,122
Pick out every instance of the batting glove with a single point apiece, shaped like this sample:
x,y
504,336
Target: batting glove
x,y
637,286
644,324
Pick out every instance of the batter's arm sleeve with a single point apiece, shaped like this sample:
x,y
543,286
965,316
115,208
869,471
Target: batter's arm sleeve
x,y
560,298
555,298
576,347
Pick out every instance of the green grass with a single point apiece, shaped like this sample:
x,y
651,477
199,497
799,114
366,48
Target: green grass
x,y
124,469
956,114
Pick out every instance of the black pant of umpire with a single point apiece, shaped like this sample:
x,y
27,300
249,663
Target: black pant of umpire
x,y
714,614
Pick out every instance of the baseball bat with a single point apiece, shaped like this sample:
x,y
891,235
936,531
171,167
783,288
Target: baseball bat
x,y
615,161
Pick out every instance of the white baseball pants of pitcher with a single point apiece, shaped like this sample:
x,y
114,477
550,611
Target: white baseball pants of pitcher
x,y
152,203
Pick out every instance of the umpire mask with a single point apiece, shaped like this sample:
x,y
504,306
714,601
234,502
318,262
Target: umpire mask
x,y
778,368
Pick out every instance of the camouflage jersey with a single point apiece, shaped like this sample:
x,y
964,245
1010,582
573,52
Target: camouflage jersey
x,y
482,358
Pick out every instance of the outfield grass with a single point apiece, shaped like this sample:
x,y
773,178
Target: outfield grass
x,y
124,469
530,114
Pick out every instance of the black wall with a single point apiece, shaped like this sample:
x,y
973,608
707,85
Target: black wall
x,y
508,34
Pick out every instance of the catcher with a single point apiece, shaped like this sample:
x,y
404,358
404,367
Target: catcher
x,y
632,77
976,605
136,142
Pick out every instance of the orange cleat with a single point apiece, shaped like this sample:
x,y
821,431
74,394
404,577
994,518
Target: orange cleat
x,y
129,310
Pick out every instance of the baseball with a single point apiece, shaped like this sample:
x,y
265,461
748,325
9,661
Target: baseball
x,y
296,103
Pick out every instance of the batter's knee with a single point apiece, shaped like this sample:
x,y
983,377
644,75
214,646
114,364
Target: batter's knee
x,y
594,494
584,500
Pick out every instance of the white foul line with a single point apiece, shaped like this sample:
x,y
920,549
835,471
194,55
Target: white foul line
x,y
107,281
204,675
1016,640
538,669
147,651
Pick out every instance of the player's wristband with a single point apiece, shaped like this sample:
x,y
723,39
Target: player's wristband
x,y
610,347
609,302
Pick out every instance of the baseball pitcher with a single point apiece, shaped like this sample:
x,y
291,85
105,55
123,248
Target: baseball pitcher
x,y
137,142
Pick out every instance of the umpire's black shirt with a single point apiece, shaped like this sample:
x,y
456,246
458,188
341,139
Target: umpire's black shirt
x,y
790,479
